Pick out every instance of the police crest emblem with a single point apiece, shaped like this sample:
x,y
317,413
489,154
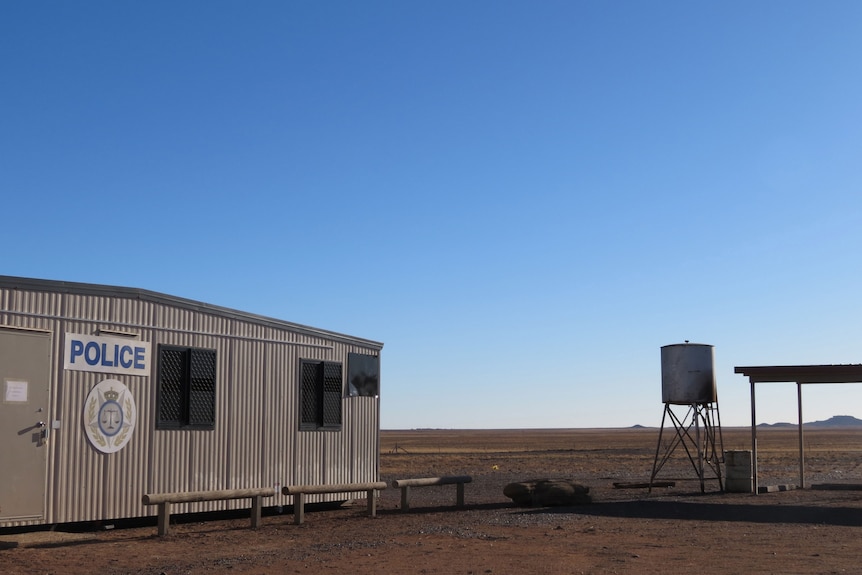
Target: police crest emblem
x,y
110,415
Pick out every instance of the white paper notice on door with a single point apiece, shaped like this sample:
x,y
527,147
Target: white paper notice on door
x,y
16,391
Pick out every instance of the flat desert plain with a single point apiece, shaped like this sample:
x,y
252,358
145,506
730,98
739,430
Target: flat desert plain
x,y
624,530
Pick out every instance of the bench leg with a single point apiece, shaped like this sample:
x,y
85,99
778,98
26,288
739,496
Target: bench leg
x,y
256,507
460,496
164,518
298,508
372,503
405,498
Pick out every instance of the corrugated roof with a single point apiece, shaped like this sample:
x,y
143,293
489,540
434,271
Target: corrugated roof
x,y
54,286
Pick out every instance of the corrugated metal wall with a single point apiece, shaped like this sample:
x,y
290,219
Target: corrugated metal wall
x,y
256,441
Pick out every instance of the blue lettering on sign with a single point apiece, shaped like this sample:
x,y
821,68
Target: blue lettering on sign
x,y
127,363
105,361
94,360
77,349
139,357
107,356
96,355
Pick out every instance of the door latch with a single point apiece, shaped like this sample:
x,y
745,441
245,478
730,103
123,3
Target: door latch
x,y
43,432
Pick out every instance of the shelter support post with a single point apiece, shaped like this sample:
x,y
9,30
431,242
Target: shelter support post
x,y
753,439
801,451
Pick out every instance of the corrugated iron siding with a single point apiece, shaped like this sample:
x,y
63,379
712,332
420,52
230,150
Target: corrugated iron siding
x,y
256,441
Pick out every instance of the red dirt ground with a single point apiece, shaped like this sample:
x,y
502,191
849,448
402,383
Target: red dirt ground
x,y
679,529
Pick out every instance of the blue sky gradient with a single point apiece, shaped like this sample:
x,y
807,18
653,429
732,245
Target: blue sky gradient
x,y
523,200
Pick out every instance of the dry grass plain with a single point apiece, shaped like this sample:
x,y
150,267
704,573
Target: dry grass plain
x,y
632,531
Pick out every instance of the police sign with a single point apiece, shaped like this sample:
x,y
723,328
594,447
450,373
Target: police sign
x,y
106,354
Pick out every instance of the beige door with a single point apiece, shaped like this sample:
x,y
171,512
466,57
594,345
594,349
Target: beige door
x,y
25,365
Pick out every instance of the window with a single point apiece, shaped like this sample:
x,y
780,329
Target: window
x,y
320,395
186,388
363,375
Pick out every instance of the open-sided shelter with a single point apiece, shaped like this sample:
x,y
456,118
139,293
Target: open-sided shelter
x,y
800,375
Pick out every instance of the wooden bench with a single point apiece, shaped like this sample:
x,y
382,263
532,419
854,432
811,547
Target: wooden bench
x,y
164,500
300,491
406,484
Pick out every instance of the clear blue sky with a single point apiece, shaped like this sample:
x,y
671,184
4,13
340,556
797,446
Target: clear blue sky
x,y
522,200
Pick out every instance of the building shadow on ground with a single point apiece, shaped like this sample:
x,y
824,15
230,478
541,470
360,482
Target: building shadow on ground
x,y
705,511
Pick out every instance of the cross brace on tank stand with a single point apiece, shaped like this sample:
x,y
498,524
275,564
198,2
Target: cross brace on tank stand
x,y
698,432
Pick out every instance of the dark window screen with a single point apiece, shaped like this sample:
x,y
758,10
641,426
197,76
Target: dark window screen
x,y
171,404
320,395
187,388
309,395
202,398
331,394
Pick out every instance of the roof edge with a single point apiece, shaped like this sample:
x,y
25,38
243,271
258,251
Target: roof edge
x,y
81,288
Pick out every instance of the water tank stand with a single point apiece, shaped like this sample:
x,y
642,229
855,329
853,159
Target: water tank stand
x,y
698,432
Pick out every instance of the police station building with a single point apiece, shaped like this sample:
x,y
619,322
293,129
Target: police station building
x,y
109,393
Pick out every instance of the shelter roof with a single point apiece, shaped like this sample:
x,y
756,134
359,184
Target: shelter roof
x,y
843,373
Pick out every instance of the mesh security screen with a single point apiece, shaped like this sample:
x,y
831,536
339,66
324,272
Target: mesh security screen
x,y
321,395
187,388
331,394
171,371
308,416
202,370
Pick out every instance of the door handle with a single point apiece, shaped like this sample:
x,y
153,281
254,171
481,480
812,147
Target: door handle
x,y
43,432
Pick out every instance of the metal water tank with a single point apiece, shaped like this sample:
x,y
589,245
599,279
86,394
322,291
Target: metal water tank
x,y
687,373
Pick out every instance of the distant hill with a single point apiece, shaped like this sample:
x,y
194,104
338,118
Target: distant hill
x,y
837,421
832,422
